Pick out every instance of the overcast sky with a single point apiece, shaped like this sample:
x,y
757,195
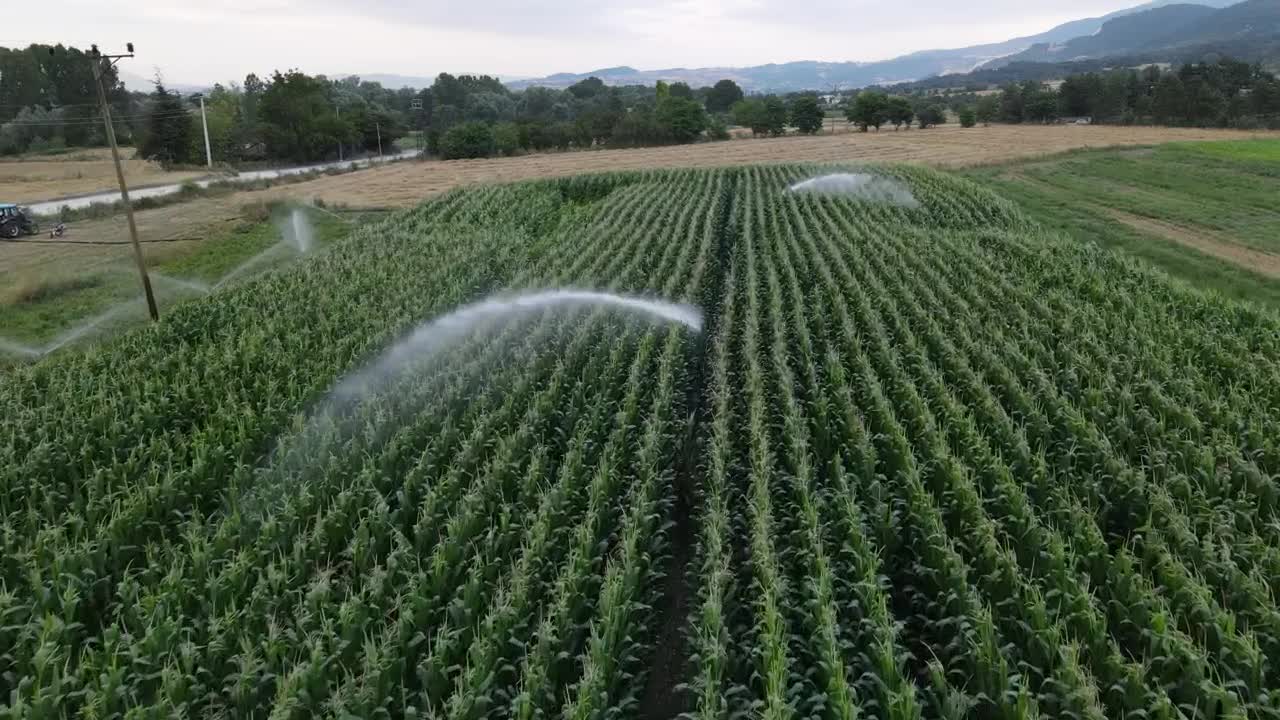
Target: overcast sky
x,y
203,41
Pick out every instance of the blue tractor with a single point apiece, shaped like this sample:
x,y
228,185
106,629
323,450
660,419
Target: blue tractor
x,y
14,221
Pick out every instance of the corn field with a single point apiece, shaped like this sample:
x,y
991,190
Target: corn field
x,y
921,462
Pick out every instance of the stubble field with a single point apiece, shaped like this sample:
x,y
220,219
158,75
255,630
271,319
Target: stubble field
x,y
407,184
82,172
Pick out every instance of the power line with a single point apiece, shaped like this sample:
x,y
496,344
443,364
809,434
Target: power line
x,y
92,121
51,106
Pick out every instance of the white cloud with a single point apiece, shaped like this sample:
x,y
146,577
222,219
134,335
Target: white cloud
x,y
223,40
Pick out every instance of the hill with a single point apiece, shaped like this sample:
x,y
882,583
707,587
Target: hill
x,y
1249,29
814,75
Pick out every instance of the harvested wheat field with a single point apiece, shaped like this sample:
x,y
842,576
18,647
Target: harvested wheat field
x,y
84,172
92,243
406,184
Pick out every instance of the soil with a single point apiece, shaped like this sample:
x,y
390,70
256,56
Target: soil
x,y
1206,241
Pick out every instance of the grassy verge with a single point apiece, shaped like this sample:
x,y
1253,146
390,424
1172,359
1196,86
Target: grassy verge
x,y
39,311
1219,187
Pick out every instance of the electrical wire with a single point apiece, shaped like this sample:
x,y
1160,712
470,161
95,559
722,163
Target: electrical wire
x,y
52,107
92,121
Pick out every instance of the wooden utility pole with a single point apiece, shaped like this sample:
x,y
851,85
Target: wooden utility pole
x,y
96,59
378,126
835,102
337,111
208,154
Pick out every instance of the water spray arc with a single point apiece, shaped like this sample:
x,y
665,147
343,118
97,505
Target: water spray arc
x,y
296,234
861,186
443,331
192,285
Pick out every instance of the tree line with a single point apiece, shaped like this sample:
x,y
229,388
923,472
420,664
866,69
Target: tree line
x,y
1219,93
48,99
477,116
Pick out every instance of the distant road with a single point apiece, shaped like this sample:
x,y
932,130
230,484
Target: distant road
x,y
52,207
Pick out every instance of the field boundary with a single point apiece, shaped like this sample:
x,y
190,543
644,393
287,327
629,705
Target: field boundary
x,y
1205,241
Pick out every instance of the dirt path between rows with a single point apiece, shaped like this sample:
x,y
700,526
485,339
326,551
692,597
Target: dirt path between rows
x,y
1206,241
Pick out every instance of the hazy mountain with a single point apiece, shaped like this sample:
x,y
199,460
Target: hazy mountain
x,y
137,83
392,81
810,75
1169,29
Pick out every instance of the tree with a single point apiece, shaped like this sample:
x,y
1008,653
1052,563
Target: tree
x,y
681,90
168,128
299,121
506,138
48,77
1080,95
775,115
589,88
540,103
987,110
681,118
806,114
489,106
467,140
749,113
1012,109
930,115
640,127
899,111
723,96
1205,103
33,128
1040,104
968,117
870,108
1170,101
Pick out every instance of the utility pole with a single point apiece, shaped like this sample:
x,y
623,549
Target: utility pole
x,y
96,58
378,127
415,105
835,102
208,154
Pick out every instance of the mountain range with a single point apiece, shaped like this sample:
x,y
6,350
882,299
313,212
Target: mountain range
x,y
1157,31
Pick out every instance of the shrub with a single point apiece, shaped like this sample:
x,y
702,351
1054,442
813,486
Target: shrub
x,y
506,138
717,130
468,140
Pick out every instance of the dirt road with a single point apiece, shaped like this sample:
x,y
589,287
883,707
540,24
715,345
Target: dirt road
x,y
82,172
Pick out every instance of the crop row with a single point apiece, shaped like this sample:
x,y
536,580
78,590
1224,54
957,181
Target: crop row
x,y
923,461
